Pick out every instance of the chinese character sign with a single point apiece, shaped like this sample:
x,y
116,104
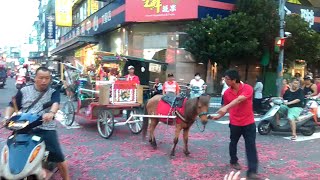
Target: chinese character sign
x,y
153,4
160,10
50,28
63,10
308,15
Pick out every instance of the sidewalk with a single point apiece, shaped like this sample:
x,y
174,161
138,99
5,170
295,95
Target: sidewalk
x,y
215,102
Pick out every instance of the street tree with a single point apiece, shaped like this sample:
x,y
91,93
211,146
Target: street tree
x,y
266,20
222,39
249,31
304,43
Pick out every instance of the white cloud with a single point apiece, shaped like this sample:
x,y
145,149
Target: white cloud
x,y
16,20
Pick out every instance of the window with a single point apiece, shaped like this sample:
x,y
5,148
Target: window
x,y
80,13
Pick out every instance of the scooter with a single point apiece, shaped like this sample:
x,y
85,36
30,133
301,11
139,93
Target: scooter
x,y
266,104
2,81
314,104
21,81
305,123
196,92
12,74
24,156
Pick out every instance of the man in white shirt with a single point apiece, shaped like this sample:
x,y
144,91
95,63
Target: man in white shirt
x,y
224,88
258,88
198,82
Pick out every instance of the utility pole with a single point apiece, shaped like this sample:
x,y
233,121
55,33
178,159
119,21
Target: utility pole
x,y
281,54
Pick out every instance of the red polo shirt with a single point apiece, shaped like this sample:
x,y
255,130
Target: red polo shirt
x,y
133,78
242,113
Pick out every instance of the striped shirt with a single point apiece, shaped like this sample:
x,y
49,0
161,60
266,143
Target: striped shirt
x,y
27,95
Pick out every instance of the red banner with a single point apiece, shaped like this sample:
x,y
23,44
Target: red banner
x,y
160,10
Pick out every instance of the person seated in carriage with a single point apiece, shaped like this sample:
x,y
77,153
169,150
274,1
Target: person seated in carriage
x,y
131,77
157,87
171,86
171,92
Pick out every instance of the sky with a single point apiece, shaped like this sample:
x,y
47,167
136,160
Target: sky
x,y
16,20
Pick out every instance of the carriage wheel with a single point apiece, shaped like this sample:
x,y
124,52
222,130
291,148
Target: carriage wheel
x,y
136,127
69,114
105,123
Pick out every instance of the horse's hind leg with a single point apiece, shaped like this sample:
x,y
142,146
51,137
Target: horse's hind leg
x,y
176,139
152,138
185,140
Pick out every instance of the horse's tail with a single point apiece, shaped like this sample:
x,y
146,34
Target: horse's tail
x,y
145,123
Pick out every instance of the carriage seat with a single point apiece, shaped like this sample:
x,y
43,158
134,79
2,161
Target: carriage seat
x,y
173,100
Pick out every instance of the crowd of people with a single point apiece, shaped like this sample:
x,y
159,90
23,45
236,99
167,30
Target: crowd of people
x,y
238,99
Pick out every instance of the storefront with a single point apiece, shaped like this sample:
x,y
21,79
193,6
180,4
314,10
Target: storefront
x,y
141,29
154,30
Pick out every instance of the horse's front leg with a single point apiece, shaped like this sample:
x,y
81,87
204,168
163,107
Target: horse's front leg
x,y
152,138
185,140
176,139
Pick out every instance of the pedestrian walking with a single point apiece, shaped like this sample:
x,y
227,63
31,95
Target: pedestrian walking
x,y
258,88
238,101
224,88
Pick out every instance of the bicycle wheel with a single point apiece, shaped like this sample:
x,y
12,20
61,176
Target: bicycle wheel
x,y
69,113
105,123
135,124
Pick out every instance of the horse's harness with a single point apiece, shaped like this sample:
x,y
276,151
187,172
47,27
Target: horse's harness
x,y
178,114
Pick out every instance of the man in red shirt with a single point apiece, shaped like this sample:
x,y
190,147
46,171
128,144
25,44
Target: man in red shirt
x,y
238,101
131,76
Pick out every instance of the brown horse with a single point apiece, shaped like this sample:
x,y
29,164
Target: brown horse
x,y
191,109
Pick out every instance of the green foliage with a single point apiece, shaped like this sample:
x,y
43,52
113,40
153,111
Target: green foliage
x,y
222,39
266,20
248,32
304,43
198,43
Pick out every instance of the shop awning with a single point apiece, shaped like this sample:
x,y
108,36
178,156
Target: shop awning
x,y
144,60
113,58
74,43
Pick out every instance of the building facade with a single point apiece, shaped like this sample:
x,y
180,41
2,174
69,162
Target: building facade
x,y
149,29
142,29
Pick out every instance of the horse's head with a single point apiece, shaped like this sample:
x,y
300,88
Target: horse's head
x,y
203,108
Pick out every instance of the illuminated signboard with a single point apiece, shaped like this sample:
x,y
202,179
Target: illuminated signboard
x,y
160,10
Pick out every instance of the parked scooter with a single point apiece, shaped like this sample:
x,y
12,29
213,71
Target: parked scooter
x,y
196,92
266,105
2,81
3,77
24,155
21,81
314,104
12,74
305,123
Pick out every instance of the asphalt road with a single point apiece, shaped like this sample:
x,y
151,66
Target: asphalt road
x,y
126,156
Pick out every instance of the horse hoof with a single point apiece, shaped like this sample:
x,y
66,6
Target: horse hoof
x,y
187,153
172,154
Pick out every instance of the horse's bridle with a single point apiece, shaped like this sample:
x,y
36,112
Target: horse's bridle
x,y
203,123
200,115
203,113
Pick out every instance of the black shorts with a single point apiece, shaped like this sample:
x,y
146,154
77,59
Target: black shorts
x,y
50,138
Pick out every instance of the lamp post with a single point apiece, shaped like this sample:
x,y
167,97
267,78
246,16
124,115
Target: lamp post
x,y
281,54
